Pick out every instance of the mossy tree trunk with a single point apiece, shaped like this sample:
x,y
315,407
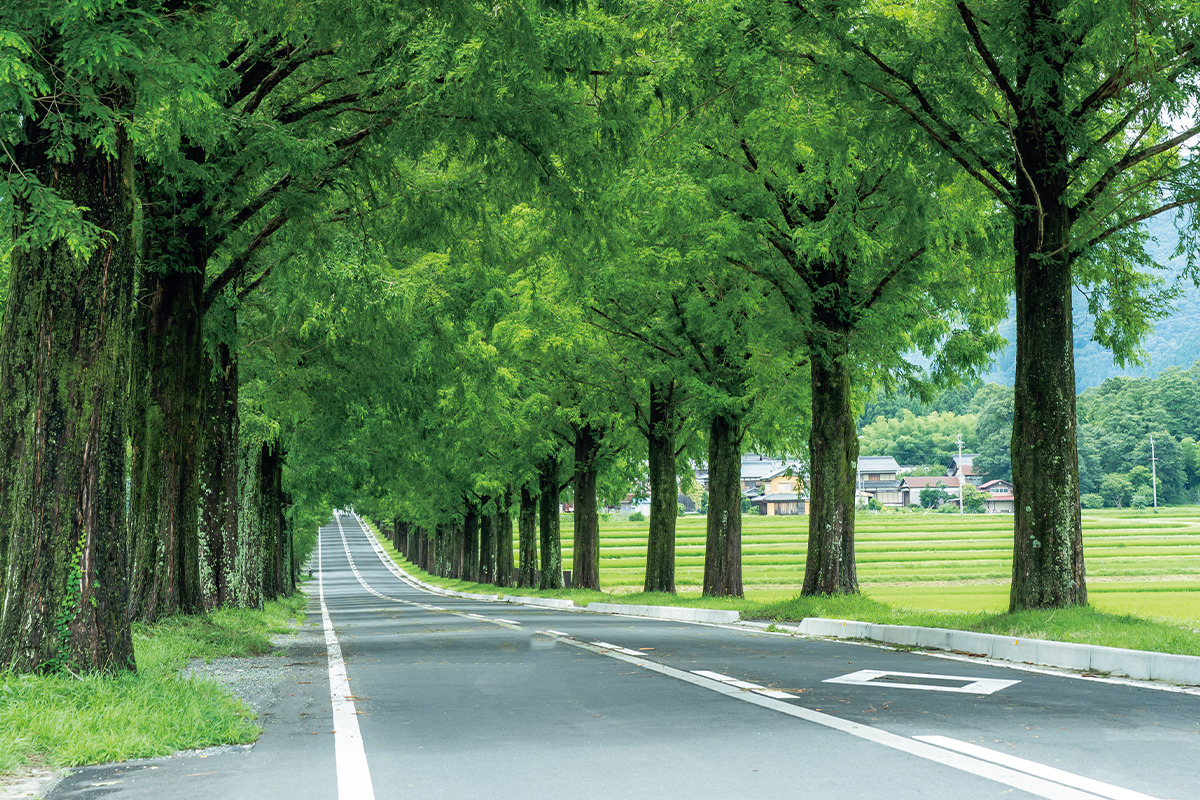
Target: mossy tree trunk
x,y
218,490
246,582
550,528
585,563
164,575
664,489
1048,569
527,538
833,467
63,423
723,548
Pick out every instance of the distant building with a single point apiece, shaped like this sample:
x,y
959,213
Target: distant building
x,y
998,497
878,479
961,467
912,485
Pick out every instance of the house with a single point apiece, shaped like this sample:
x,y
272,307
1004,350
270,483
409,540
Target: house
x,y
756,468
778,504
911,486
878,479
961,467
999,497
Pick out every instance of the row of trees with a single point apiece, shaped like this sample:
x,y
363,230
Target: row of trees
x,y
441,262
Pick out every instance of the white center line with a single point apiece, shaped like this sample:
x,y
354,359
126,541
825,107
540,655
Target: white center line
x,y
353,774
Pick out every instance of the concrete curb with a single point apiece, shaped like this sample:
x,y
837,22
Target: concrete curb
x,y
710,615
1136,664
551,602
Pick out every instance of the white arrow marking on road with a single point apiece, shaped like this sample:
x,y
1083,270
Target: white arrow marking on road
x,y
878,677
353,774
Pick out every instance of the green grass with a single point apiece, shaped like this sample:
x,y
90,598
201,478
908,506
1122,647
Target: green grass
x,y
61,720
935,570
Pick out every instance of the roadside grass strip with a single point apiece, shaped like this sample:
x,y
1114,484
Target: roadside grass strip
x,y
61,720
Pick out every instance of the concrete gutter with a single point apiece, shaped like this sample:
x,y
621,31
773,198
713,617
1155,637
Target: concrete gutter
x,y
1137,664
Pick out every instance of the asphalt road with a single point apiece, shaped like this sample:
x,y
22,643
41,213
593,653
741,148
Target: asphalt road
x,y
448,697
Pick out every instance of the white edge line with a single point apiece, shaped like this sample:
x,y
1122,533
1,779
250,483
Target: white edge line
x,y
1033,768
350,759
984,769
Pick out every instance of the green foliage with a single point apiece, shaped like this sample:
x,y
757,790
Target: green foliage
x,y
973,500
910,439
933,497
1091,500
637,516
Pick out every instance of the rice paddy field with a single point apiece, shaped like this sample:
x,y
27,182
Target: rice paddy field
x,y
1138,562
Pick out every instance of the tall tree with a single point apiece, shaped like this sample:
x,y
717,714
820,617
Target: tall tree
x,y
1068,115
63,363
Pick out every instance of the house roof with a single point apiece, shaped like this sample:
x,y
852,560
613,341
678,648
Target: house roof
x,y
881,484
877,464
927,481
780,497
991,498
795,468
996,481
757,468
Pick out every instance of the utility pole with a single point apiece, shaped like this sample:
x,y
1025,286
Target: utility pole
x,y
1154,473
962,495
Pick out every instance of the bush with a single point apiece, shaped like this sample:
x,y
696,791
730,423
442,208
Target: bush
x,y
1142,499
1091,500
637,516
874,505
947,509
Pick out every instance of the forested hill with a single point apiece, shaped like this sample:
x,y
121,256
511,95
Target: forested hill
x,y
1175,341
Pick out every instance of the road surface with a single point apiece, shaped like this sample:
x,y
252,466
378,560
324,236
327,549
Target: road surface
x,y
423,696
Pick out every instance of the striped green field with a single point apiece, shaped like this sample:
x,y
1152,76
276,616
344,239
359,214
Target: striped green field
x,y
1138,562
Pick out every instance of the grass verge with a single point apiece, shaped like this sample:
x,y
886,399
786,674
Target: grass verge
x,y
62,721
1081,625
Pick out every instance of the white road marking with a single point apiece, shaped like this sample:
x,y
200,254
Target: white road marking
x,y
617,648
754,687
1024,781
501,619
353,774
1098,788
557,633
877,677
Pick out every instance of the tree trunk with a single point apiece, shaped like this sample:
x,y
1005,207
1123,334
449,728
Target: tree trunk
x,y
550,528
487,542
422,549
63,390
164,576
219,484
246,583
1048,569
585,563
723,548
471,543
833,464
664,490
527,533
276,564
401,530
504,542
